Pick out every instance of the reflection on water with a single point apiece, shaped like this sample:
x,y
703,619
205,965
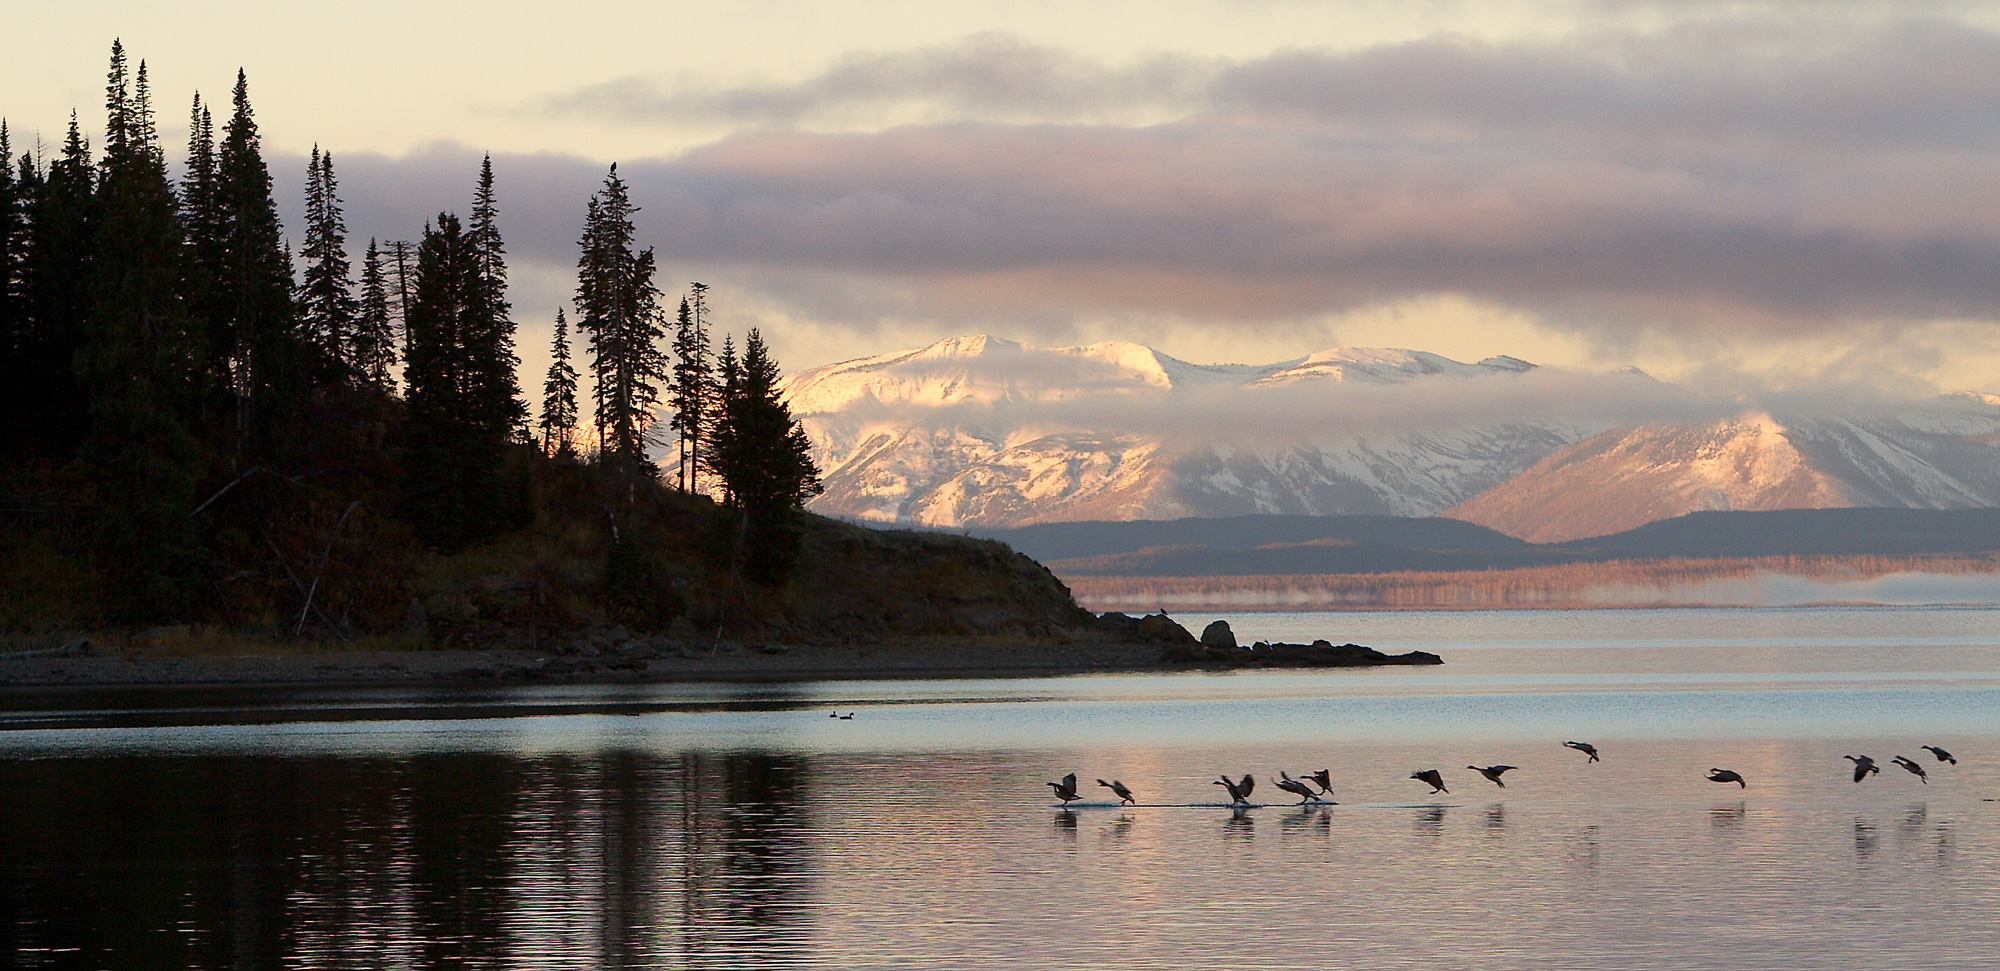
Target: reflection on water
x,y
741,828
458,861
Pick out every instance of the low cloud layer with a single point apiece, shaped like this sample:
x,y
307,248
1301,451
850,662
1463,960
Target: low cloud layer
x,y
1728,180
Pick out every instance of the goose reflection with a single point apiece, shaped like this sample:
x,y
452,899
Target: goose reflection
x,y
1496,820
1587,855
1429,821
1866,840
1307,815
1240,825
1726,816
1065,823
1119,828
1914,821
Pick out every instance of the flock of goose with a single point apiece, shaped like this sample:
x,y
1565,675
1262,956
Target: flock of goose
x,y
1304,787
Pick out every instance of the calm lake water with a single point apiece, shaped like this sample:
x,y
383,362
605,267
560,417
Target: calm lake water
x,y
741,827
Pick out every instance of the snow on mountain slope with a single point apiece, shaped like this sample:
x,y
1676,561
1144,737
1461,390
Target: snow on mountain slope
x,y
984,431
1941,456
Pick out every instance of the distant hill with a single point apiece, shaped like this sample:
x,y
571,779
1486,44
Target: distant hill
x,y
1315,545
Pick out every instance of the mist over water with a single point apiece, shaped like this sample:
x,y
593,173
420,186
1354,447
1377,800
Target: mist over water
x,y
739,826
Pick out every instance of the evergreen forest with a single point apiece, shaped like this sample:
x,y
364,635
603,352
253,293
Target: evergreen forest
x,y
210,428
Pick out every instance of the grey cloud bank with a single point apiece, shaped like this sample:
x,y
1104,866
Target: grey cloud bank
x,y
1728,179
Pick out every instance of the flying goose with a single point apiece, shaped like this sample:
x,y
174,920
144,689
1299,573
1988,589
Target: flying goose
x,y
1727,775
1493,773
1324,779
1066,789
1862,766
1584,747
1295,787
1124,794
1915,769
1942,755
1238,791
1432,778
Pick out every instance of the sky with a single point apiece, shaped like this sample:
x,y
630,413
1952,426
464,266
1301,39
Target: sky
x,y
1742,197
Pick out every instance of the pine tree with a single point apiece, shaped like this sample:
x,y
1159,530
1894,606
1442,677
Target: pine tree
x,y
618,306
374,348
56,296
204,264
326,304
254,291
693,383
463,413
493,365
558,422
140,363
405,262
13,309
763,458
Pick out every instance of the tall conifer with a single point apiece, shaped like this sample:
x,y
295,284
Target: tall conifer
x,y
763,458
692,390
326,304
56,296
374,351
254,290
140,364
618,307
558,424
13,311
493,384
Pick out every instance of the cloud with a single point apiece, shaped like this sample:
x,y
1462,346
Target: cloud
x,y
1727,180
991,74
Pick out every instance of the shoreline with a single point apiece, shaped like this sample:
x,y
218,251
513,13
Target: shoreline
x,y
730,664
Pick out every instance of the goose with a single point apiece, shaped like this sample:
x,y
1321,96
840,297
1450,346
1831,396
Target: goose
x,y
1727,775
1584,747
1124,794
847,717
1862,766
1915,769
1238,791
1942,755
1295,787
1324,779
1432,778
1493,773
1066,789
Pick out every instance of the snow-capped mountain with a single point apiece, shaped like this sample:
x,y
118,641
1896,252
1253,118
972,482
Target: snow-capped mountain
x,y
981,431
1941,456
984,431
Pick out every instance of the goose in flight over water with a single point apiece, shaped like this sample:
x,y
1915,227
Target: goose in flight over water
x,y
1943,756
1727,775
1295,787
1915,769
1862,766
1124,794
1432,778
1238,791
1324,780
1066,789
1493,773
1584,747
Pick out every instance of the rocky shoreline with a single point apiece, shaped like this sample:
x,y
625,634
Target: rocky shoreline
x,y
1114,643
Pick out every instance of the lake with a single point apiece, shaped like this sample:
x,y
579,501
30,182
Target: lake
x,y
739,826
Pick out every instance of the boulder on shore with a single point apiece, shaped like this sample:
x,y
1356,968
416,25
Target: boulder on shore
x,y
1218,635
1319,654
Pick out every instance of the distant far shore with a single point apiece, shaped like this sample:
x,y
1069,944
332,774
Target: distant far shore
x,y
1671,582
